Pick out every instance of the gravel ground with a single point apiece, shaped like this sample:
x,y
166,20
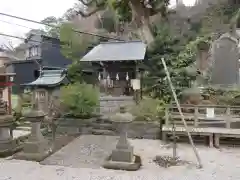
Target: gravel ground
x,y
223,164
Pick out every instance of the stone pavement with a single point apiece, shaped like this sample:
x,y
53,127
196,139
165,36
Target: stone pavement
x,y
223,164
88,151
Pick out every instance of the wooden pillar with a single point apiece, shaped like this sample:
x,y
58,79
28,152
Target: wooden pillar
x,y
105,80
217,140
211,140
196,114
167,116
9,99
228,117
141,78
138,92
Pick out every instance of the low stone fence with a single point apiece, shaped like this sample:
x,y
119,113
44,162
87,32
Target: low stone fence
x,y
96,126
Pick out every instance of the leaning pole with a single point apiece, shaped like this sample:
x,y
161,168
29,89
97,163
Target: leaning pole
x,y
181,114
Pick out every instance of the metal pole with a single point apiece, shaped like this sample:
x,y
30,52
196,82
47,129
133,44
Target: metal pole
x,y
181,114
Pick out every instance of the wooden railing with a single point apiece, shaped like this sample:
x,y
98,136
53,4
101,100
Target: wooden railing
x,y
203,114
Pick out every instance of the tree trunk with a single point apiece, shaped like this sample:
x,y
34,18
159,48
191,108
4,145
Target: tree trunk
x,y
140,17
146,31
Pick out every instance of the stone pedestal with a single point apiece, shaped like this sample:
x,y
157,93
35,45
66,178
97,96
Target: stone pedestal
x,y
122,157
36,148
8,146
123,151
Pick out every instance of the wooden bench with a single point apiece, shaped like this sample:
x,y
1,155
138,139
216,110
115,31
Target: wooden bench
x,y
214,134
224,132
193,131
224,115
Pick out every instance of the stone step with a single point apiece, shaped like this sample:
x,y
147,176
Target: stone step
x,y
103,126
24,128
102,132
25,124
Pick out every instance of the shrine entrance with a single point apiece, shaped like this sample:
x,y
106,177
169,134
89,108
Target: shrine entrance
x,y
117,66
114,78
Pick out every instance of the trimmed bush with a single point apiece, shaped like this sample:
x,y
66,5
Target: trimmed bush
x,y
80,100
148,109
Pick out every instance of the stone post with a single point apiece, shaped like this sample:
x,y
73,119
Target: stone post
x,y
122,156
36,148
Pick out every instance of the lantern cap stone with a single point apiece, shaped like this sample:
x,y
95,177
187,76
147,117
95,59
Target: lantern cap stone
x,y
122,116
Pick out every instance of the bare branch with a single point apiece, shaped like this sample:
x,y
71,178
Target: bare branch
x,y
161,8
96,9
87,3
9,46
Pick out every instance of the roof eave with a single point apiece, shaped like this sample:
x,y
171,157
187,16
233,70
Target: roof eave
x,y
46,85
105,60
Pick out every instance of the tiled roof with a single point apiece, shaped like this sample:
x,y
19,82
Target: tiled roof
x,y
49,78
117,51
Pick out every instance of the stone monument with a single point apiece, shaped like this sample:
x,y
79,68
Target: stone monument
x,y
123,157
36,148
8,145
225,57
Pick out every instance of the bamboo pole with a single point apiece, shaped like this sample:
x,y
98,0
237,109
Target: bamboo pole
x,y
181,114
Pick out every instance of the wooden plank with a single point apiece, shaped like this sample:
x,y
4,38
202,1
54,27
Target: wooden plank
x,y
203,117
207,135
205,130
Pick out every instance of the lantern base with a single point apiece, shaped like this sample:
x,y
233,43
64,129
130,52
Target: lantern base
x,y
120,165
34,150
123,155
32,156
9,148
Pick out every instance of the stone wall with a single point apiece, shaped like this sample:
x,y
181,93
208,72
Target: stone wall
x,y
96,126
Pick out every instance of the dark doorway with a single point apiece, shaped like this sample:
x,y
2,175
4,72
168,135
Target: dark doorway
x,y
36,74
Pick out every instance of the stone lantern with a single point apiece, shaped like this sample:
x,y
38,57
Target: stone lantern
x,y
8,146
192,95
36,147
122,156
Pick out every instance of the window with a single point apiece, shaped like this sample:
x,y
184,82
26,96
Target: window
x,y
27,53
32,52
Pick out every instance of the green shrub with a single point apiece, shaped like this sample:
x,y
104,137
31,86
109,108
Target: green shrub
x,y
148,110
80,100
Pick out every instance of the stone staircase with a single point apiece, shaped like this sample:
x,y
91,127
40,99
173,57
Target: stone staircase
x,y
109,105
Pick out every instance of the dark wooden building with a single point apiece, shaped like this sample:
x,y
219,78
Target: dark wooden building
x,y
40,51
